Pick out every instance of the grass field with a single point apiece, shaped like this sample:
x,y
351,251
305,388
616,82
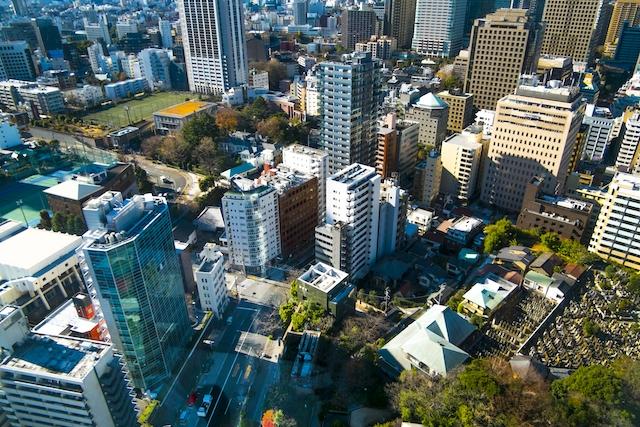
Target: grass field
x,y
139,109
29,190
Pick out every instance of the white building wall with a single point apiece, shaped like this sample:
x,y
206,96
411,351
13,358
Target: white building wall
x,y
210,279
9,135
309,161
629,143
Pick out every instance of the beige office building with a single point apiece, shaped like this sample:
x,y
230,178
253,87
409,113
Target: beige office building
x,y
432,113
616,236
573,27
427,177
623,11
502,47
460,109
534,133
461,156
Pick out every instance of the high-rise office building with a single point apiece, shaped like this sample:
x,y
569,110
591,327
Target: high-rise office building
x,y
49,37
300,12
432,113
358,25
309,161
21,29
350,101
623,11
439,27
214,44
627,54
573,28
16,62
461,155
401,14
52,380
20,7
252,224
135,271
616,236
534,133
502,48
97,31
349,238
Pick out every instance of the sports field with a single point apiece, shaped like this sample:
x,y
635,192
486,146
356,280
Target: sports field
x,y
29,190
139,109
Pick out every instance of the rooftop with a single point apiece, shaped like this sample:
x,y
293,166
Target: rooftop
x,y
516,254
73,190
65,320
490,294
185,109
431,101
28,252
323,277
431,341
69,357
466,224
353,174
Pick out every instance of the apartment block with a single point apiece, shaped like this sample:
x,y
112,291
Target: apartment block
x,y
401,15
502,47
309,161
598,128
379,47
16,62
210,280
349,238
252,225
350,101
358,25
460,109
393,217
628,150
616,237
534,134
461,156
427,178
126,88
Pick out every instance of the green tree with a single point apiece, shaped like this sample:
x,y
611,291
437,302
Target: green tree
x,y
207,182
590,328
45,220
286,311
551,240
209,158
142,180
499,235
274,128
201,126
59,222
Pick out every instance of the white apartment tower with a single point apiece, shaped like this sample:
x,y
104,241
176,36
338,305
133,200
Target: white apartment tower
x,y
214,44
616,236
210,279
598,123
439,27
60,381
393,217
252,223
309,161
630,142
461,155
349,238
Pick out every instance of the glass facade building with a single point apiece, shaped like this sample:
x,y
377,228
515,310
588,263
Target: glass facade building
x,y
137,277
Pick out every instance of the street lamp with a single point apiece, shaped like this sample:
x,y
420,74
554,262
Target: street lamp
x,y
20,203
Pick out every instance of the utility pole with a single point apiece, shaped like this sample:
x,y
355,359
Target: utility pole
x,y
387,297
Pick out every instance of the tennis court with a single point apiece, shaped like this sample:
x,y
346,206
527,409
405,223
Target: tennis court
x,y
29,190
138,109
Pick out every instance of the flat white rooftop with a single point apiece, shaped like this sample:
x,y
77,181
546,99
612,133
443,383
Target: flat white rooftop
x,y
65,320
323,277
28,252
73,190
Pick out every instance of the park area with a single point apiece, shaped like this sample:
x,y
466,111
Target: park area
x,y
116,117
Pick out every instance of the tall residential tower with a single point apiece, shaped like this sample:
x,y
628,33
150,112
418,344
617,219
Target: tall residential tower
x,y
214,44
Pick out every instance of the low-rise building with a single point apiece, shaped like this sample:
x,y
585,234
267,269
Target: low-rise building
x,y
36,99
422,218
564,215
86,96
210,279
430,344
258,79
554,287
380,47
38,271
485,298
515,258
171,119
75,318
125,89
329,287
461,231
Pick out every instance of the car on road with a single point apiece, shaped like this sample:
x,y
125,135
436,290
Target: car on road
x,y
210,343
229,320
209,401
166,180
